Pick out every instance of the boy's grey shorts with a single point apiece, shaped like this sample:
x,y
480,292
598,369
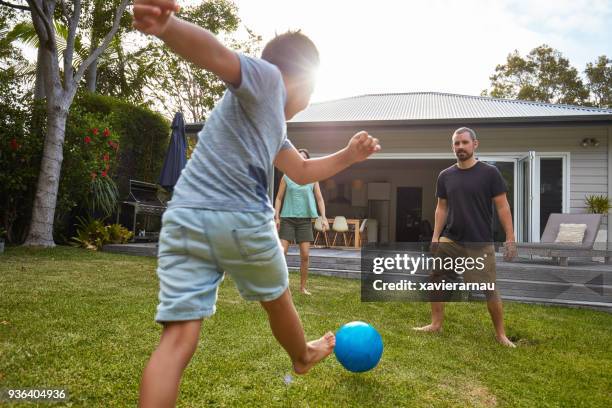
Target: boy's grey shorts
x,y
196,246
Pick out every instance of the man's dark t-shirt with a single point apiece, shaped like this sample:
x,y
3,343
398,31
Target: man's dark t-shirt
x,y
469,193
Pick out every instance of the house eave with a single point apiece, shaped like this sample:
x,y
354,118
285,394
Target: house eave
x,y
519,121
576,120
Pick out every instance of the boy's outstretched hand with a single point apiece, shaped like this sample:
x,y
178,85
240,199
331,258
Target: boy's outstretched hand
x,y
361,146
152,16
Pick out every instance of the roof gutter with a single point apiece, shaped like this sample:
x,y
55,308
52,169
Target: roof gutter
x,y
525,121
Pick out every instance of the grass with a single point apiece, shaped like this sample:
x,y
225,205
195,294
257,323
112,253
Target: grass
x,y
84,321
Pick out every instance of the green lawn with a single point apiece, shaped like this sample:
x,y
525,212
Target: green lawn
x,y
84,321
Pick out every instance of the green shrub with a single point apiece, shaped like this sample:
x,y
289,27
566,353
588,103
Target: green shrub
x,y
143,136
598,204
90,159
118,234
104,195
20,153
93,234
95,174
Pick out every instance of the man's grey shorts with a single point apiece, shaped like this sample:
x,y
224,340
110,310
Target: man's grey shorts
x,y
196,246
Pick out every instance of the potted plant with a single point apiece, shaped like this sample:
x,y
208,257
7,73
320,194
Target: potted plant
x,y
599,204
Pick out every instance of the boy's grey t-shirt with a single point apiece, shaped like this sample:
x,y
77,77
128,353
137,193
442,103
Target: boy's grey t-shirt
x,y
231,166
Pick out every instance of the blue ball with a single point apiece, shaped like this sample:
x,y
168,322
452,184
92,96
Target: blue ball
x,y
358,347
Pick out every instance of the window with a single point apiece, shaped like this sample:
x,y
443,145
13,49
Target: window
x,y
551,188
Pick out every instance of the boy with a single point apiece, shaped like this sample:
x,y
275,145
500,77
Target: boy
x,y
220,217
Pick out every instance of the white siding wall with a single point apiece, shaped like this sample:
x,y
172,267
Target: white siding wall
x,y
588,166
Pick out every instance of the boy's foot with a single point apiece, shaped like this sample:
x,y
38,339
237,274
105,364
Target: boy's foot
x,y
317,351
505,341
305,291
430,328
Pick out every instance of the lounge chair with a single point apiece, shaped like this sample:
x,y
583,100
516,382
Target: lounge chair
x,y
560,252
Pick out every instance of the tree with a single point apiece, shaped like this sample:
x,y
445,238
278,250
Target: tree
x,y
96,20
544,75
125,74
599,81
99,18
10,56
188,88
60,91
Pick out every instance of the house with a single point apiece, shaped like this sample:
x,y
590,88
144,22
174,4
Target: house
x,y
551,156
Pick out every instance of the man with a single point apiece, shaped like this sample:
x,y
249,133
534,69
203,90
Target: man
x,y
466,193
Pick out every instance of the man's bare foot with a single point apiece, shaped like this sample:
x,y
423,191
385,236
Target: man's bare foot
x,y
305,291
316,351
505,341
430,328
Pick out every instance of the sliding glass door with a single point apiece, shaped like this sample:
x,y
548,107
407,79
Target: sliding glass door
x,y
527,216
537,187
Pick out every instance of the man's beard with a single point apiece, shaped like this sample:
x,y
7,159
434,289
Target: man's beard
x,y
464,156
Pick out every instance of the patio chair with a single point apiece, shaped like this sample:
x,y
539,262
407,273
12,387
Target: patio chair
x,y
363,235
560,252
340,226
318,226
362,231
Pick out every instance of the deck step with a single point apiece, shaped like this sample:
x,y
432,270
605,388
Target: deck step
x,y
336,273
587,284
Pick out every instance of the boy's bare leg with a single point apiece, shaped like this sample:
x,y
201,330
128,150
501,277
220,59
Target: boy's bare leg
x,y
162,375
437,317
287,329
304,259
496,310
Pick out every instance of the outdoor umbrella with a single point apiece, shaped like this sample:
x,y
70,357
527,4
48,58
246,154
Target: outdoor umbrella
x,y
176,155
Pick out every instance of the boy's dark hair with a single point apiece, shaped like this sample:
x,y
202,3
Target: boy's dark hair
x,y
305,152
293,53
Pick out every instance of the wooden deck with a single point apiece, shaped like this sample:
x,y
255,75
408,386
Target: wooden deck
x,y
584,283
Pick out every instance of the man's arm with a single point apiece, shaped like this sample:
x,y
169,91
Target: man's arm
x,y
440,218
505,217
304,171
193,43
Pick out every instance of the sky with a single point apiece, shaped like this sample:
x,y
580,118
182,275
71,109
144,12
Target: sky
x,y
387,46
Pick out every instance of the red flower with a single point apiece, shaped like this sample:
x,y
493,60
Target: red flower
x,y
103,173
95,131
106,132
113,144
87,139
14,145
106,157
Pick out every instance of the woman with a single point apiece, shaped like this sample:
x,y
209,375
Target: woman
x,y
295,220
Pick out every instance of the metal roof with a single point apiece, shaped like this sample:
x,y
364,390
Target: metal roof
x,y
419,107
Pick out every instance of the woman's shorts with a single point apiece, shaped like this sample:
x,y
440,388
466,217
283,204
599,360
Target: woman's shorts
x,y
296,229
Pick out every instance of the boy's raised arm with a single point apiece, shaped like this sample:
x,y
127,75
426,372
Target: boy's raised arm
x,y
303,171
195,44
